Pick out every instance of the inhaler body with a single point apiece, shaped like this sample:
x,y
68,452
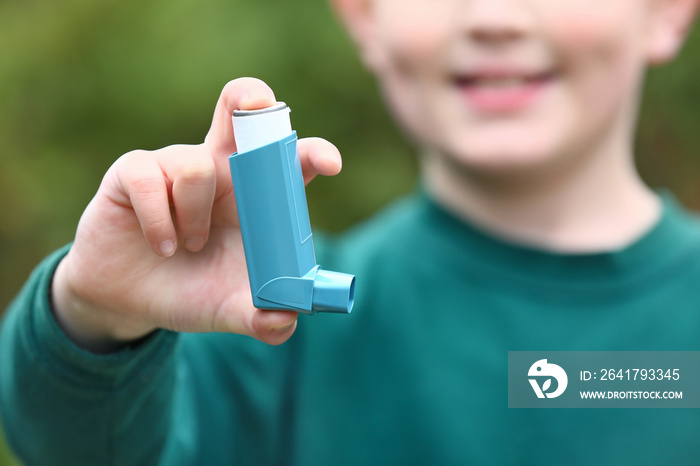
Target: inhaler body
x,y
271,200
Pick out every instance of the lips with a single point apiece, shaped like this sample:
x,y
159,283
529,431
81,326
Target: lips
x,y
502,91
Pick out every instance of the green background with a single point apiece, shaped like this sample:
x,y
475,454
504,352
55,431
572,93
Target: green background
x,y
82,82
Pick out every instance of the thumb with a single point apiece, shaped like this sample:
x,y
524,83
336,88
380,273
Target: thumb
x,y
239,94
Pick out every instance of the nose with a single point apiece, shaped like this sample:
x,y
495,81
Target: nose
x,y
495,22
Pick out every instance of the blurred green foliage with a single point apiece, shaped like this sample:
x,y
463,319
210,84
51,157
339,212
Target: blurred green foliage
x,y
82,82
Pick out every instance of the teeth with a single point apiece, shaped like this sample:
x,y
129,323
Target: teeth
x,y
500,83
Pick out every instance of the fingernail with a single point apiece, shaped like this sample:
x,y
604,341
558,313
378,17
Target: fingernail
x,y
284,328
167,248
253,102
195,243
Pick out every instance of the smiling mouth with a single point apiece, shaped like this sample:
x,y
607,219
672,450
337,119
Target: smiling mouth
x,y
500,79
502,92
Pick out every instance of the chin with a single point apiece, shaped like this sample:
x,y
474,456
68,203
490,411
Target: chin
x,y
503,158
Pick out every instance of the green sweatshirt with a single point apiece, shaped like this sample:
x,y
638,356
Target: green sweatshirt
x,y
417,374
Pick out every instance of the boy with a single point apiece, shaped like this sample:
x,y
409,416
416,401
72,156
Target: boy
x,y
532,231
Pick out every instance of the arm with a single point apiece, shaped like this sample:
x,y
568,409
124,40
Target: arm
x,y
157,248
61,402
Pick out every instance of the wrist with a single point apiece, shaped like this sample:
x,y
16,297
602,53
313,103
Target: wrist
x,y
88,325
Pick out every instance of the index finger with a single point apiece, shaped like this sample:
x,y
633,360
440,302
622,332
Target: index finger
x,y
239,94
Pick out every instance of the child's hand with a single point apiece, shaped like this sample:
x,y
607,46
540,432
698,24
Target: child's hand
x,y
159,246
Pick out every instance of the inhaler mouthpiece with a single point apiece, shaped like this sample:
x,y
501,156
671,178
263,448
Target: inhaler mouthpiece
x,y
271,201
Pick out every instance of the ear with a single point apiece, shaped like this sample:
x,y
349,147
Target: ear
x,y
670,21
359,19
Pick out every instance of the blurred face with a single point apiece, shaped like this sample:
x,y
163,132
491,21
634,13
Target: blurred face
x,y
498,84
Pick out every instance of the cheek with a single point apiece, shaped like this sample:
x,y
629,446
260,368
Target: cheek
x,y
414,40
607,36
600,52
414,33
587,35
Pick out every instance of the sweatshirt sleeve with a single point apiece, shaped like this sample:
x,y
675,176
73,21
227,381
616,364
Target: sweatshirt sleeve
x,y
62,405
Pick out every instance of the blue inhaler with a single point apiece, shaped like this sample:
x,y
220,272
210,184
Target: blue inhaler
x,y
274,219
